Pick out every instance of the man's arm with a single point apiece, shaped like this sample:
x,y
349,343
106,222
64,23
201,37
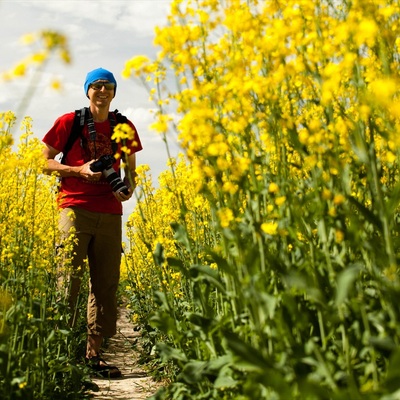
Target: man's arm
x,y
82,171
129,178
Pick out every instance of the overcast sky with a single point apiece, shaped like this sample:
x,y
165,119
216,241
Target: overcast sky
x,y
101,33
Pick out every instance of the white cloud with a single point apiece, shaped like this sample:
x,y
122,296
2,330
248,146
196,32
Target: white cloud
x,y
139,16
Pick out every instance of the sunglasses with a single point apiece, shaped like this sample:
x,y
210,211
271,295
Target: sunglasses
x,y
99,85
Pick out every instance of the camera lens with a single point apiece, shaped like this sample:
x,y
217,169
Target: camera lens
x,y
115,181
104,164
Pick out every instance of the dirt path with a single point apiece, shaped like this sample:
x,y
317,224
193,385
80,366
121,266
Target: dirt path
x,y
134,383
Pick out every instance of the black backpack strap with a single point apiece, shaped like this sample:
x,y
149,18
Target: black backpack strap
x,y
116,118
121,119
77,127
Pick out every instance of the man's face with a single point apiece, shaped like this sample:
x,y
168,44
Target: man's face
x,y
101,93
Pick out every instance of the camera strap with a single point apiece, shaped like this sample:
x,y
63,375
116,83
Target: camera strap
x,y
92,129
113,122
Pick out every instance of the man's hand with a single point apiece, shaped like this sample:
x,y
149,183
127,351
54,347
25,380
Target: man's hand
x,y
86,173
65,171
121,196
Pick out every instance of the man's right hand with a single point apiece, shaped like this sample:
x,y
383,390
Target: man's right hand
x,y
86,173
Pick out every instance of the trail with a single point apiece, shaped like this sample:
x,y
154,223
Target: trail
x,y
134,383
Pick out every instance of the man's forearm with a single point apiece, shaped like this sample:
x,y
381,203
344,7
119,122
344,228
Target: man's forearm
x,y
61,169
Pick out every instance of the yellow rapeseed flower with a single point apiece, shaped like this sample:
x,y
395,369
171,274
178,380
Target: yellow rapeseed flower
x,y
270,228
225,216
339,199
20,69
56,84
339,236
280,200
326,194
366,32
273,188
384,90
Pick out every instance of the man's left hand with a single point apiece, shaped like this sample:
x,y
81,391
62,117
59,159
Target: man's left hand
x,y
122,196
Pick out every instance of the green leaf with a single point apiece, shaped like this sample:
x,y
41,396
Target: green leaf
x,y
369,215
180,234
394,199
193,372
393,373
159,254
171,353
384,345
246,353
222,263
50,337
345,282
201,321
225,381
217,364
204,272
178,265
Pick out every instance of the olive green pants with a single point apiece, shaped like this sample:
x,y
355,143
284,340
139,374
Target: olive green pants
x,y
98,239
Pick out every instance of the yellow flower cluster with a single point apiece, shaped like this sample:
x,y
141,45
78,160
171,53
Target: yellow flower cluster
x,y
45,43
28,212
273,67
122,133
33,303
151,225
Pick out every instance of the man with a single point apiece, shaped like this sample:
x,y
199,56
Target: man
x,y
93,207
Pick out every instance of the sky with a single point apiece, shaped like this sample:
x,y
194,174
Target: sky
x,y
101,33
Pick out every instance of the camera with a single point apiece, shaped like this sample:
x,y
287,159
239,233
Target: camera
x,y
105,165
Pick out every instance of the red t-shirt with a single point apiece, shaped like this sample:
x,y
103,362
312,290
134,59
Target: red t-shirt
x,y
78,192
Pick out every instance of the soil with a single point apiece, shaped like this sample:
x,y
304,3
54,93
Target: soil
x,y
135,384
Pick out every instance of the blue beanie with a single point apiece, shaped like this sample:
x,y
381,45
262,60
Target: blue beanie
x,y
99,74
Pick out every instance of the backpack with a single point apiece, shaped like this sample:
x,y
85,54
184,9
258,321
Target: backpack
x,y
81,117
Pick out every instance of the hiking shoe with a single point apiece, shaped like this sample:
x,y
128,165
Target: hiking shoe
x,y
101,368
